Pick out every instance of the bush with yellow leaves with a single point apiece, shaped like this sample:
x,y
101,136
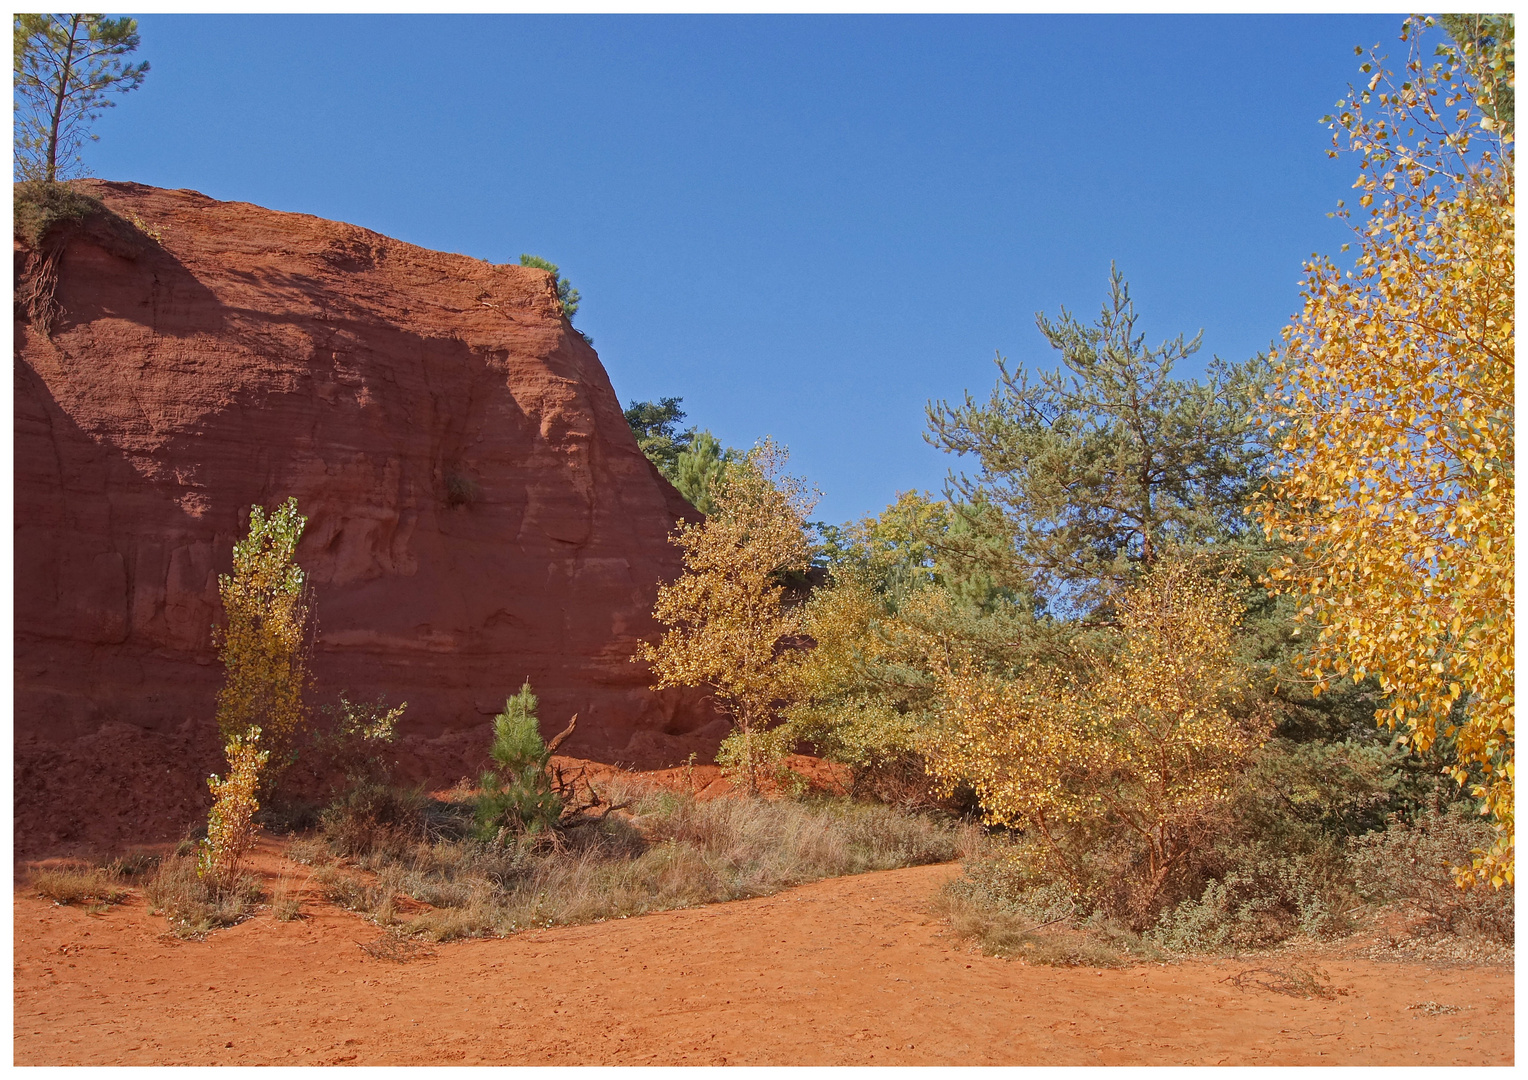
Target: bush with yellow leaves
x,y
265,639
728,626
230,824
1130,758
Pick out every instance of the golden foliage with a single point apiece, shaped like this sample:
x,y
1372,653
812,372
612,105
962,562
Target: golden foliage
x,y
1148,738
862,690
1394,418
727,625
264,644
230,824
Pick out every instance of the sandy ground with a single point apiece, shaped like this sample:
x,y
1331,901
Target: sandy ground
x,y
849,971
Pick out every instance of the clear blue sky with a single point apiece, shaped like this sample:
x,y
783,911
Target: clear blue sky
x,y
804,226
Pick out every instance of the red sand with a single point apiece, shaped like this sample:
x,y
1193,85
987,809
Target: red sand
x,y
849,971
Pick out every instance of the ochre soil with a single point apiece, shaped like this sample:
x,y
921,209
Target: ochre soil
x,y
849,971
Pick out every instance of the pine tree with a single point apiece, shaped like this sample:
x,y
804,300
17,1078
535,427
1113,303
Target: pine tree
x,y
519,795
66,65
1095,470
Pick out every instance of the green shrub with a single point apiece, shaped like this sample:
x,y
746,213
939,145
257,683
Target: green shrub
x,y
567,295
1263,897
370,815
461,490
353,738
760,754
1271,865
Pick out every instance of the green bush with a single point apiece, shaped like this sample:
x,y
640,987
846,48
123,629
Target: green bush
x,y
760,754
1313,831
1262,896
567,295
461,490
353,738
369,815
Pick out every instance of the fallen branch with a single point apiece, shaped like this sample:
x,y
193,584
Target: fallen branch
x,y
1296,982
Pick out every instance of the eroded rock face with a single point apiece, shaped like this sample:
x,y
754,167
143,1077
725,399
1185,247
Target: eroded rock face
x,y
478,511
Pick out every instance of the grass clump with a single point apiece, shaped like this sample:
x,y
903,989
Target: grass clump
x,y
1011,912
286,904
196,905
670,851
92,885
40,206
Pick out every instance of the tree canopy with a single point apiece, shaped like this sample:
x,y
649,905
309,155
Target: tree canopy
x,y
1393,415
725,617
567,295
1095,469
66,68
692,460
656,427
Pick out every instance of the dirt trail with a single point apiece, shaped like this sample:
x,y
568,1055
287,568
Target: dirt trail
x,y
850,971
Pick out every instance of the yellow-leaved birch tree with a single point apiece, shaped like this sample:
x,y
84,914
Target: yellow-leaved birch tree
x,y
727,625
265,640
1393,416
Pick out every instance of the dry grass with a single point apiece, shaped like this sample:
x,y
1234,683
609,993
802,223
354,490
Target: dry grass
x,y
669,852
194,906
1011,934
79,884
286,904
39,206
395,947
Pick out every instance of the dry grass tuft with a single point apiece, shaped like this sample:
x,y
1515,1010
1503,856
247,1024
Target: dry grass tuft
x,y
395,947
78,884
1011,934
1433,1008
195,906
286,904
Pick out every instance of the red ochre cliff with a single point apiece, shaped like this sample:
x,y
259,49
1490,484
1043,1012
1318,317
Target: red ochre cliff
x,y
478,511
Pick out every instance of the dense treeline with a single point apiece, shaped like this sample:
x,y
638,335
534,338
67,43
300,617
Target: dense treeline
x,y
1149,625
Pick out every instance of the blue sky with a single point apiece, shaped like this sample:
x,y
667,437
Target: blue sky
x,y
806,227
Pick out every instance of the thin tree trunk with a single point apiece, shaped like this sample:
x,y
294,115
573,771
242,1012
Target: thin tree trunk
x,y
58,100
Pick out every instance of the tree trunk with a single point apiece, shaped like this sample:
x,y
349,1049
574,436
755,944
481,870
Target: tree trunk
x,y
58,100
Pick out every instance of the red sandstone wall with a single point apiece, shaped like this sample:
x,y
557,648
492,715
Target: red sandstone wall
x,y
248,355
